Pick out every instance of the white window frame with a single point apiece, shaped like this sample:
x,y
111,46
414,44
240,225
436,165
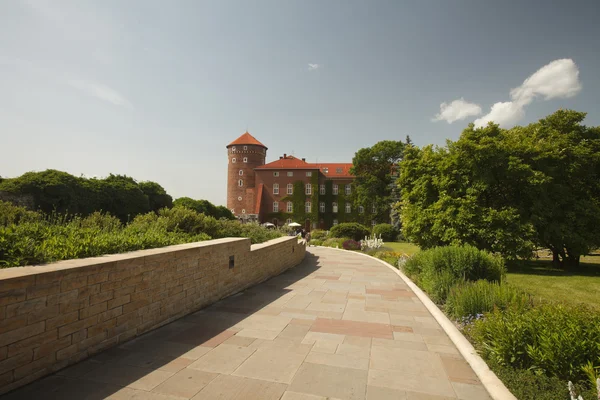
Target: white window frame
x,y
373,209
245,147
245,159
361,210
348,208
239,198
308,188
290,173
290,207
322,207
334,207
290,188
335,189
322,189
241,172
241,183
307,207
288,221
276,188
335,222
233,160
339,170
275,173
373,222
243,211
348,189
275,206
233,148
308,173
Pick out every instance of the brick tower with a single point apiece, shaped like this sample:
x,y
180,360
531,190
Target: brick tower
x,y
243,155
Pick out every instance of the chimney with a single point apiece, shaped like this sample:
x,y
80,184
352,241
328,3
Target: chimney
x,y
280,157
304,159
284,155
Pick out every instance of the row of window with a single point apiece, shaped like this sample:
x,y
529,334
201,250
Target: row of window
x,y
308,207
233,160
308,188
246,148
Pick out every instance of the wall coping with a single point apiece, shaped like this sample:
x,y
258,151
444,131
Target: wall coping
x,y
19,272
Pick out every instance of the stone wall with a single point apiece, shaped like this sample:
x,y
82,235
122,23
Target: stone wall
x,y
55,315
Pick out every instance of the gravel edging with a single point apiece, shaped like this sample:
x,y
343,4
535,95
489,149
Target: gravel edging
x,y
489,380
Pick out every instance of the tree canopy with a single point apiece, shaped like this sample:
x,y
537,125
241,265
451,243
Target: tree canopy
x,y
507,191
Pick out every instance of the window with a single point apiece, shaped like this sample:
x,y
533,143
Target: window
x,y
241,182
335,189
338,170
348,208
245,147
233,148
290,173
325,170
290,207
233,160
275,206
307,207
233,210
288,221
276,188
245,159
322,207
335,222
373,223
241,172
243,211
322,189
308,187
290,188
309,173
348,188
275,173
361,209
334,207
373,209
239,198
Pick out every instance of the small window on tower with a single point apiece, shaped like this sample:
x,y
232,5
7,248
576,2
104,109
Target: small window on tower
x,y
245,159
243,211
240,198
241,182
233,160
241,172
233,148
245,147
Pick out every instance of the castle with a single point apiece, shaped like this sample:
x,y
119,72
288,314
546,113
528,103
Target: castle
x,y
315,195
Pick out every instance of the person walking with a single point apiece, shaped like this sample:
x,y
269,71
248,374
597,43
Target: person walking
x,y
308,239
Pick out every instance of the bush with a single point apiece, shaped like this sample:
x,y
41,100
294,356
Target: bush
x,y
386,232
350,230
472,298
334,242
437,270
553,339
318,234
351,245
316,242
390,257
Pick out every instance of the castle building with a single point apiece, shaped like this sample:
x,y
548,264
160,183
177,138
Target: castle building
x,y
315,195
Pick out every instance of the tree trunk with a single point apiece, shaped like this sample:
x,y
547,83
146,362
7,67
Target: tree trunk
x,y
555,259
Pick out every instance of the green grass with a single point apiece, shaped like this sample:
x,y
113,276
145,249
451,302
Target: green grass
x,y
546,283
401,247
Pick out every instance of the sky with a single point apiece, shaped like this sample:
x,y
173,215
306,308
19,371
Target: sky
x,y
157,89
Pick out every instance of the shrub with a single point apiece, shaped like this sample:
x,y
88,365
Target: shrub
x,y
438,269
385,231
11,214
371,243
553,339
351,245
318,234
350,230
472,298
316,242
334,242
390,257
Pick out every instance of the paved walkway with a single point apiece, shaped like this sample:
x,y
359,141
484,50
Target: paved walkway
x,y
338,326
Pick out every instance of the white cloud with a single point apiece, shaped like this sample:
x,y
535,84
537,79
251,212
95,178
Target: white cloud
x,y
558,79
457,110
313,67
101,91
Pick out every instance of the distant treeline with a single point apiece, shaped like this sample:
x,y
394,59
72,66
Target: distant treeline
x,y
119,195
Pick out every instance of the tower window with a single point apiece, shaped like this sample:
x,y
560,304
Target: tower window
x,y
243,211
240,198
245,159
233,160
245,147
275,206
233,148
241,182
276,188
241,172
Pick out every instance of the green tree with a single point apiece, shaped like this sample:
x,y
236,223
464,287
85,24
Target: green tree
x,y
373,167
157,195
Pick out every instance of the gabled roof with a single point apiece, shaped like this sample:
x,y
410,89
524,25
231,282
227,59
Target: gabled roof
x,y
330,170
246,138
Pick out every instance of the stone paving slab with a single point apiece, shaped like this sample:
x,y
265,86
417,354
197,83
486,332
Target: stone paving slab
x,y
337,326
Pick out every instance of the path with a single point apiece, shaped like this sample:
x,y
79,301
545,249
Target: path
x,y
338,326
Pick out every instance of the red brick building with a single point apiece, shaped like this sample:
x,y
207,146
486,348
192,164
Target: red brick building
x,y
289,189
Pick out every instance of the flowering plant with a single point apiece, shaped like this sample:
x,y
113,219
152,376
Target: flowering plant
x,y
371,243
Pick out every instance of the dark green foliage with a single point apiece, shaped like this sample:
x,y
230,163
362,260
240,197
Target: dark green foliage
x,y
204,207
224,212
437,270
386,231
552,339
472,298
335,242
352,230
157,196
351,245
318,234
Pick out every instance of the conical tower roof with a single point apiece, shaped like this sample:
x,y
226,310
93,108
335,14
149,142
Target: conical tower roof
x,y
246,138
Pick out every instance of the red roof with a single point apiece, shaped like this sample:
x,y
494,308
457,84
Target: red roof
x,y
331,170
246,138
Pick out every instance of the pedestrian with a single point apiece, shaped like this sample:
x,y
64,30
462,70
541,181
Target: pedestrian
x,y
308,239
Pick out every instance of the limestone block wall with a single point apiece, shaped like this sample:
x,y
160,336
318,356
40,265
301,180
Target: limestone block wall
x,y
55,315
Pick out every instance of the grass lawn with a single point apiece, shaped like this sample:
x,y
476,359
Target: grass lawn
x,y
402,247
581,285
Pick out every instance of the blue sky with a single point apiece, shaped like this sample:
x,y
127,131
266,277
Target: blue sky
x,y
156,89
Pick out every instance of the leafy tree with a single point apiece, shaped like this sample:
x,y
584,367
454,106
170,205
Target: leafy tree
x,y
157,196
372,167
204,207
224,212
